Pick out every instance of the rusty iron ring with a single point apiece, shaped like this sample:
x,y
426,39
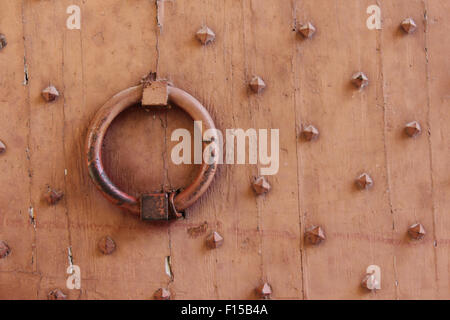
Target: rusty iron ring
x,y
156,206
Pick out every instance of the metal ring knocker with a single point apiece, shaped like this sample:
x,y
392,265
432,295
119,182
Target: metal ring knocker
x,y
154,206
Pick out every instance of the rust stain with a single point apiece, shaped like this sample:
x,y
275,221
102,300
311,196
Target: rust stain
x,y
197,231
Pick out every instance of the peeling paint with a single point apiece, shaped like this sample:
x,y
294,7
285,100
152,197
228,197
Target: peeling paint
x,y
70,256
32,218
25,71
168,267
160,13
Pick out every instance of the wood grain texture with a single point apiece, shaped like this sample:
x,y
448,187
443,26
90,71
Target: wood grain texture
x,y
358,224
15,224
438,100
404,78
308,82
106,70
46,142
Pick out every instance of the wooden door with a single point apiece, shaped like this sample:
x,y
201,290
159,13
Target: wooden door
x,y
308,82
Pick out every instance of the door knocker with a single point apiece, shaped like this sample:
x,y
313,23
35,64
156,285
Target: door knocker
x,y
153,206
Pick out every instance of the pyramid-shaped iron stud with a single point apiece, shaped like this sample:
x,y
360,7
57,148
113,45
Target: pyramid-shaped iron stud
x,y
364,182
162,294
307,30
56,294
214,240
205,35
310,133
106,245
257,84
264,291
261,185
409,25
413,129
416,231
50,94
3,42
5,250
315,235
53,196
360,80
2,147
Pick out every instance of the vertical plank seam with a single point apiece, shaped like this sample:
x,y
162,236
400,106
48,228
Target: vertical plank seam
x,y
166,185
159,5
430,143
66,208
158,29
230,173
216,224
167,181
301,217
28,138
246,76
380,67
83,89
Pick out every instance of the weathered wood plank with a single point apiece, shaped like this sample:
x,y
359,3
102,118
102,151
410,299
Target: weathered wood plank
x,y
219,74
45,67
404,78
115,47
15,226
269,53
358,224
438,47
308,82
193,68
